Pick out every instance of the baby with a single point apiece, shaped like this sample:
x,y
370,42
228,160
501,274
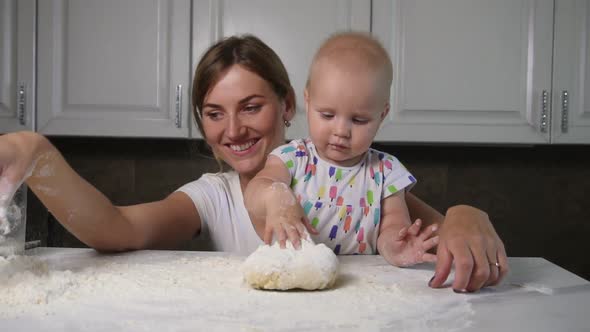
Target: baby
x,y
351,194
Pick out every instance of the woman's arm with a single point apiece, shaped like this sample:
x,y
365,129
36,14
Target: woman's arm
x,y
273,207
468,240
420,210
86,212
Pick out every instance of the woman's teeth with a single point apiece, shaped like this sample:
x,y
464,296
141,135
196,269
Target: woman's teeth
x,y
242,147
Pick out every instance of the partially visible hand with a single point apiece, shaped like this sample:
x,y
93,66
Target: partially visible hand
x,y
16,157
410,245
468,238
16,161
285,218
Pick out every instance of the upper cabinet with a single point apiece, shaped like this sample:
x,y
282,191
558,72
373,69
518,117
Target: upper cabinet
x,y
465,71
17,65
468,71
294,29
113,68
571,74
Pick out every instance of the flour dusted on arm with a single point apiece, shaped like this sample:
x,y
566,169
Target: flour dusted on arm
x,y
311,267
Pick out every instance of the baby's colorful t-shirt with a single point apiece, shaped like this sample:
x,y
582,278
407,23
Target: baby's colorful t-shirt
x,y
343,203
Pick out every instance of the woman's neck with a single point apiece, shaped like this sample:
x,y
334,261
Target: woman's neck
x,y
244,180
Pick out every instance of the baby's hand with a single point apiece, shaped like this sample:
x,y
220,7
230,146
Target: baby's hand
x,y
286,219
411,245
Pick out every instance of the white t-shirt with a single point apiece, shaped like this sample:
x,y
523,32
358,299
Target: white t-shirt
x,y
219,201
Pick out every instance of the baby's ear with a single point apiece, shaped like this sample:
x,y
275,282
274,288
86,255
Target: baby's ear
x,y
306,98
385,111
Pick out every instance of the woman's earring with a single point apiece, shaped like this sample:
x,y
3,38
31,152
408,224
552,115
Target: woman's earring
x,y
287,123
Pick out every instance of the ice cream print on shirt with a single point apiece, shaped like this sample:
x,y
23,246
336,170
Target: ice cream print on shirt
x,y
343,203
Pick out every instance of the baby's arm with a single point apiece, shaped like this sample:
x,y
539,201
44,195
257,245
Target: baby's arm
x,y
273,207
400,242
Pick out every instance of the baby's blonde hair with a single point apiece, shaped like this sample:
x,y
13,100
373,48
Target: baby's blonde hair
x,y
355,50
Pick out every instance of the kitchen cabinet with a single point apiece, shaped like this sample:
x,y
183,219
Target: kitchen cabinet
x,y
17,59
294,29
472,71
113,68
466,71
571,72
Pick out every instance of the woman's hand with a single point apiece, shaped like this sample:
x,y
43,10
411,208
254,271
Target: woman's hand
x,y
468,237
285,217
16,163
273,207
17,154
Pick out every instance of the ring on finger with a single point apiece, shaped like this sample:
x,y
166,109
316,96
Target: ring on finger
x,y
496,264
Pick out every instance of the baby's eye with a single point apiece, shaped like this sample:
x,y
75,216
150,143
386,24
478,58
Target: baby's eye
x,y
360,120
326,115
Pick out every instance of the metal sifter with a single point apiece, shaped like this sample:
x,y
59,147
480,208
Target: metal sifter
x,y
13,214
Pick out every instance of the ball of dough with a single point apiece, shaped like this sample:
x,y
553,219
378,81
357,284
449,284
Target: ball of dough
x,y
311,267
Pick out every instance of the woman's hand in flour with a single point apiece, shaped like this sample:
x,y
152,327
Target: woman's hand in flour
x,y
285,219
16,158
16,163
273,208
410,245
468,238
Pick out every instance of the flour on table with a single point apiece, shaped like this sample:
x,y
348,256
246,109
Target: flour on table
x,y
311,267
141,291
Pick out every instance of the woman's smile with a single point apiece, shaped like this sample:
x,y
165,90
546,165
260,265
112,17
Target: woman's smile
x,y
244,148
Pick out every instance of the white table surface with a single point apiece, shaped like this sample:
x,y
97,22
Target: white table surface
x,y
536,296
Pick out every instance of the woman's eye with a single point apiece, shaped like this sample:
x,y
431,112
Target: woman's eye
x,y
326,115
252,108
214,115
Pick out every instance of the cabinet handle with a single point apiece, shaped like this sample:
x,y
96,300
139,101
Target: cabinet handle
x,y
564,110
21,104
178,120
544,102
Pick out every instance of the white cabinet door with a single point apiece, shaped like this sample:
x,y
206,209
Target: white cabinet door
x,y
294,29
113,67
571,76
17,65
467,70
